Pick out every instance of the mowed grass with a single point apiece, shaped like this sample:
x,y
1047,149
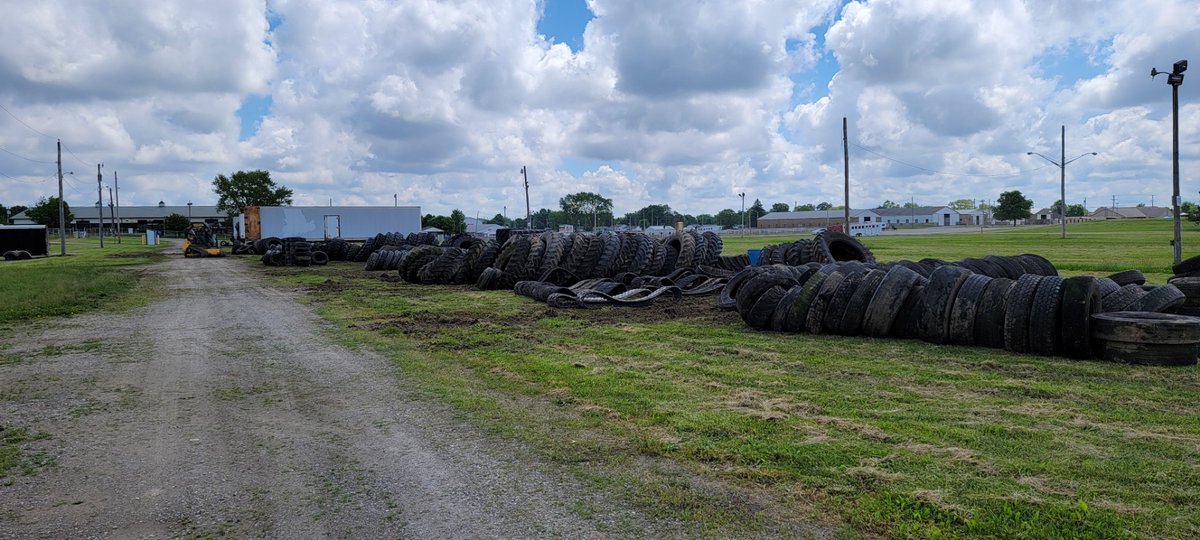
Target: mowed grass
x,y
88,278
1097,248
866,437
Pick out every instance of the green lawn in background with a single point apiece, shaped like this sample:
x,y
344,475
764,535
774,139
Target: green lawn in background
x,y
88,278
875,437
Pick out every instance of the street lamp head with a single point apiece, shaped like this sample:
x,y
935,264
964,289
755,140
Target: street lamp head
x,y
1095,154
1179,67
1029,153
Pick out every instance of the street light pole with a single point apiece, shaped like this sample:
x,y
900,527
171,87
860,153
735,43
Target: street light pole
x,y
742,218
1175,78
1062,178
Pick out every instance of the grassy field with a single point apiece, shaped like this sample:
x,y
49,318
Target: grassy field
x,y
698,418
87,278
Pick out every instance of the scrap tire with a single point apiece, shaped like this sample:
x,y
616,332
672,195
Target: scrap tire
x,y
887,301
990,312
1080,300
1186,266
961,318
1129,277
1161,339
820,303
1017,308
759,315
797,315
780,316
856,308
839,302
1123,298
933,323
1044,326
320,258
1159,299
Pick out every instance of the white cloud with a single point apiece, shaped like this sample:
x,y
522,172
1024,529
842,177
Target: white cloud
x,y
671,102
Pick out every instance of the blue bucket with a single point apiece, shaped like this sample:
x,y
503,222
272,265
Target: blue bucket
x,y
753,254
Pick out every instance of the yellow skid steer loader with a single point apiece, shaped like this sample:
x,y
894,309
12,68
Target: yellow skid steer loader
x,y
201,242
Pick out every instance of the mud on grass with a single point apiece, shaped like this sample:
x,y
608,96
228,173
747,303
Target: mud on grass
x,y
890,437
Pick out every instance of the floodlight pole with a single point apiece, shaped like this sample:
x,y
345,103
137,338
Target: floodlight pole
x,y
100,200
1174,78
62,215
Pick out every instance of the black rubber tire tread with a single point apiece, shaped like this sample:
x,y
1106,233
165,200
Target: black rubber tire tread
x,y
905,325
372,262
1044,326
320,258
784,308
831,246
657,261
820,303
416,259
629,247
961,319
1148,354
887,301
608,255
797,316
516,264
1044,264
728,298
933,322
1106,286
988,330
1016,312
1132,276
758,316
1146,327
1160,299
1189,286
687,250
716,246
1123,298
507,252
533,261
552,253
440,271
749,292
480,256
1080,300
643,254
836,310
856,308
1186,266
1011,269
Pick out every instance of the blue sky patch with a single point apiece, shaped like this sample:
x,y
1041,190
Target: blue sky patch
x,y
563,21
578,166
254,108
1080,60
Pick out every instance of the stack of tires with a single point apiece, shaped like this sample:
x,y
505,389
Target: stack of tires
x,y
1034,313
270,243
1187,280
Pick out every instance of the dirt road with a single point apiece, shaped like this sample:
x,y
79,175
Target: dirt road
x,y
224,409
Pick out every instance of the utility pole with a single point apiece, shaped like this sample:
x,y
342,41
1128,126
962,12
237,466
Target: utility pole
x,y
1114,203
528,214
117,185
1062,184
62,215
111,217
846,162
100,201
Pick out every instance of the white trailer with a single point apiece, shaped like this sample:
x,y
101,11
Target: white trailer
x,y
866,229
325,222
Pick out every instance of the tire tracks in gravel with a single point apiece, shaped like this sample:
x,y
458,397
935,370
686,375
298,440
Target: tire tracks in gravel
x,y
222,409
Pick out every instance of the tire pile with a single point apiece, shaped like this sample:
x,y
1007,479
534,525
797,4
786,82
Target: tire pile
x,y
1187,280
625,290
826,247
1016,303
293,251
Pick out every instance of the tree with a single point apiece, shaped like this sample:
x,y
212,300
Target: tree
x,y
458,221
3,215
1076,210
17,209
888,204
579,206
705,219
1013,206
176,222
756,210
249,188
1192,210
499,219
780,207
727,217
962,204
911,204
1056,209
806,207
824,206
45,212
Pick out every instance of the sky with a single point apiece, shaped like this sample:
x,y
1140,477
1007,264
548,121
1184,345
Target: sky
x,y
439,104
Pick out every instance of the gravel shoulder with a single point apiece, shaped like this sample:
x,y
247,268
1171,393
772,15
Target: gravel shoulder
x,y
225,409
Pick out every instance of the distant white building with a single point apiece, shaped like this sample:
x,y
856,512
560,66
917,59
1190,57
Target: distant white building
x,y
922,215
660,231
814,218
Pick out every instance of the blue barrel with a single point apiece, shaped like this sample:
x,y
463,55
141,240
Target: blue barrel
x,y
753,254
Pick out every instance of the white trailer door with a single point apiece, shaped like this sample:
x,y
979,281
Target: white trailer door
x,y
333,226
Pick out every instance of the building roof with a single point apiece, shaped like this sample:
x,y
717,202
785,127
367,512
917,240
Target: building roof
x,y
1132,212
141,212
817,214
919,210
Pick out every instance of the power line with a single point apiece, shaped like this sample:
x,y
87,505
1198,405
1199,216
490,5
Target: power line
x,y
85,164
934,171
31,128
10,152
25,181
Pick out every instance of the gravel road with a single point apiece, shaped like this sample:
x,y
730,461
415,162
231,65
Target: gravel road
x,y
224,409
